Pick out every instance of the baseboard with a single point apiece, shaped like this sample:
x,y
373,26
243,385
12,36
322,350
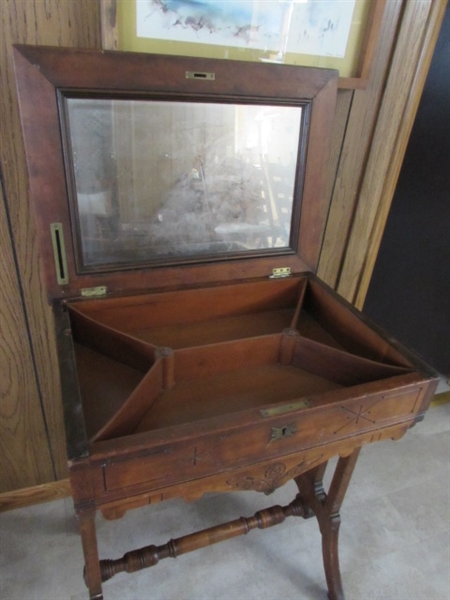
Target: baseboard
x,y
35,495
440,399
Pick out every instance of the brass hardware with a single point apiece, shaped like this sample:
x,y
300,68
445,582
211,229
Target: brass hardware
x,y
94,292
200,75
285,408
280,272
279,433
59,252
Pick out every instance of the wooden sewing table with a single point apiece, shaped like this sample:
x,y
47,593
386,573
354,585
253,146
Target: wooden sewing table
x,y
180,207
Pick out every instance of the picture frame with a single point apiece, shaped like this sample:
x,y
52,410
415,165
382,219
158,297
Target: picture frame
x,y
118,20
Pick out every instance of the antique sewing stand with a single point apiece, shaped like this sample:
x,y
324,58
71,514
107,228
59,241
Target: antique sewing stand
x,y
180,207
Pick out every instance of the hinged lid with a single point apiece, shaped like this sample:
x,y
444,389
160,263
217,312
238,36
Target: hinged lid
x,y
147,171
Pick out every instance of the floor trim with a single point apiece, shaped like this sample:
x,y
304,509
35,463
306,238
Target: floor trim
x,y
35,495
440,399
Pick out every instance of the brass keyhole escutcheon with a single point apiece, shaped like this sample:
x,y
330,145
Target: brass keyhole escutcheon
x,y
279,433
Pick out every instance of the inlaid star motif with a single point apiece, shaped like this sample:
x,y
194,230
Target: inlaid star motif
x,y
357,416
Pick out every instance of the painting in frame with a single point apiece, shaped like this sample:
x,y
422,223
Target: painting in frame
x,y
339,34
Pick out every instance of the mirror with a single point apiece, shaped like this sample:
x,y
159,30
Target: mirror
x,y
172,180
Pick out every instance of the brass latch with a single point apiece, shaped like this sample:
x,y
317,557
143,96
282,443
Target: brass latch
x,y
285,408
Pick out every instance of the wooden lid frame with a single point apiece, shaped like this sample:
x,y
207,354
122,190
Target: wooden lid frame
x,y
44,73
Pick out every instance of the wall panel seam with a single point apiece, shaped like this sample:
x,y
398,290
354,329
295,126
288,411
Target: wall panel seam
x,y
27,324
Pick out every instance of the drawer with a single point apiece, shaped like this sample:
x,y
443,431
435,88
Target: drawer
x,y
274,435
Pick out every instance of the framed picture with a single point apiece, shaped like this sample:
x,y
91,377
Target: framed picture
x,y
338,34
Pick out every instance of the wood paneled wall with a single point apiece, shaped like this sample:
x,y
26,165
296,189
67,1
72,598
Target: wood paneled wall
x,y
32,449
371,131
410,33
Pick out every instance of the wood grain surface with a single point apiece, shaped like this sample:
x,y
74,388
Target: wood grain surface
x,y
47,492
404,87
26,458
30,392
371,130
360,122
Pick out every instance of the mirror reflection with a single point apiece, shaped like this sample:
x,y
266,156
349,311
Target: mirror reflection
x,y
166,180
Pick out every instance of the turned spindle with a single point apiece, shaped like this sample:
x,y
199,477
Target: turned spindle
x,y
151,555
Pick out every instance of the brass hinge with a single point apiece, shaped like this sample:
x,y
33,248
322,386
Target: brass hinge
x,y
280,272
94,292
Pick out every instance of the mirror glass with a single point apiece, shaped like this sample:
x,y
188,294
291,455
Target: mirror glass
x,y
171,180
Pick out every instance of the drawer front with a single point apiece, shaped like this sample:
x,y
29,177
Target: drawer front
x,y
270,437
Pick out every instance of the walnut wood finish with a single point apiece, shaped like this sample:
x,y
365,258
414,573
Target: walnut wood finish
x,y
312,499
151,555
225,380
326,508
164,75
76,23
216,424
92,573
207,443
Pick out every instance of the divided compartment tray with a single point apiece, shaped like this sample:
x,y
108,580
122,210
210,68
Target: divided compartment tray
x,y
155,360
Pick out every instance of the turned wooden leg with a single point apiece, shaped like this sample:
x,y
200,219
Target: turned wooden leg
x,y
326,508
92,575
330,553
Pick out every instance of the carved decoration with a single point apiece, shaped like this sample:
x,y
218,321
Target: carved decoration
x,y
274,476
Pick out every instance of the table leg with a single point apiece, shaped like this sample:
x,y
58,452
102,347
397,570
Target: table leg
x,y
92,575
326,507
